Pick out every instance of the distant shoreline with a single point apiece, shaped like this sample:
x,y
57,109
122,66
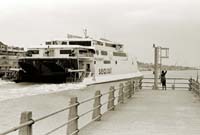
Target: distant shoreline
x,y
150,67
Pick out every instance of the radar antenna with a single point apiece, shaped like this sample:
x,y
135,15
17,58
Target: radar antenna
x,y
85,33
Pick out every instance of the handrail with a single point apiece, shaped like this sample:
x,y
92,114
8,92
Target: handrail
x,y
176,83
109,101
168,87
96,118
64,124
167,82
194,86
106,93
83,114
110,108
170,78
51,114
89,99
17,127
54,130
36,120
74,132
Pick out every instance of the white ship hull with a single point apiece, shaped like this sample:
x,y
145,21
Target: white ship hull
x,y
112,78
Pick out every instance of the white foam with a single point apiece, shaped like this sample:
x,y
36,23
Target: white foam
x,y
3,82
10,90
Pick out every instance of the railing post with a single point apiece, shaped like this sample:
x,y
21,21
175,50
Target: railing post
x,y
126,90
136,85
173,85
129,89
97,105
72,127
191,84
121,93
133,87
25,117
140,84
197,87
194,86
111,99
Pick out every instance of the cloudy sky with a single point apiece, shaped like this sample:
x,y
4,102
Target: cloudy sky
x,y
136,23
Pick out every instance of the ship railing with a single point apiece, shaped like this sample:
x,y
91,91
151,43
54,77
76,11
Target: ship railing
x,y
109,100
172,83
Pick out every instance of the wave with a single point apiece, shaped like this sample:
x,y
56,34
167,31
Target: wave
x,y
10,90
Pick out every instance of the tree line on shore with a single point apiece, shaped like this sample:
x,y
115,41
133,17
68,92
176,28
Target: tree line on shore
x,y
150,66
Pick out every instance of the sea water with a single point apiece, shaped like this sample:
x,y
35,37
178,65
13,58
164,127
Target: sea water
x,y
10,90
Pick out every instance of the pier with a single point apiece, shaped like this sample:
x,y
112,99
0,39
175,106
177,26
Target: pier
x,y
152,112
130,108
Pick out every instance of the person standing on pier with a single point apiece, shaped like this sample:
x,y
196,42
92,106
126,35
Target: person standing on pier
x,y
163,79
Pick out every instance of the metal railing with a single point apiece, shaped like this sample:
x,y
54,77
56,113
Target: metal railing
x,y
124,92
194,86
172,83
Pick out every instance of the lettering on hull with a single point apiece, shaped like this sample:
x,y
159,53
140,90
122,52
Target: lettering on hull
x,y
103,71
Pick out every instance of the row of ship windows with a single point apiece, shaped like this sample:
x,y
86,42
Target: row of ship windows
x,y
105,53
70,52
82,43
106,62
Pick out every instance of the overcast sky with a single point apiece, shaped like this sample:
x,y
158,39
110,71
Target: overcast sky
x,y
137,24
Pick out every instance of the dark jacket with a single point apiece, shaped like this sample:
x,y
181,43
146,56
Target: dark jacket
x,y
162,76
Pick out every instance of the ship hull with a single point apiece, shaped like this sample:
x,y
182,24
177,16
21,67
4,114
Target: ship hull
x,y
45,71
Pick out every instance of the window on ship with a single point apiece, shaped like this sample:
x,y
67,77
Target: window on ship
x,y
97,52
106,62
104,53
64,43
83,51
31,52
55,42
82,43
65,51
110,45
48,43
119,54
97,43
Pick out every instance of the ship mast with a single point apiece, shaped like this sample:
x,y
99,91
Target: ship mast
x,y
85,33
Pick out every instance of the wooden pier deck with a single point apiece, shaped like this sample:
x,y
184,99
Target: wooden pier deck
x,y
151,112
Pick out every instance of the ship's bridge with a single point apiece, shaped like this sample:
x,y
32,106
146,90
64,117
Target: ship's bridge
x,y
60,51
74,41
87,42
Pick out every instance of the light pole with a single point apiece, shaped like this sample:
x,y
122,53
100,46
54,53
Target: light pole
x,y
155,67
159,52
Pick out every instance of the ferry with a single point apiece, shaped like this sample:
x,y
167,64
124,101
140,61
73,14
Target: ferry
x,y
76,59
